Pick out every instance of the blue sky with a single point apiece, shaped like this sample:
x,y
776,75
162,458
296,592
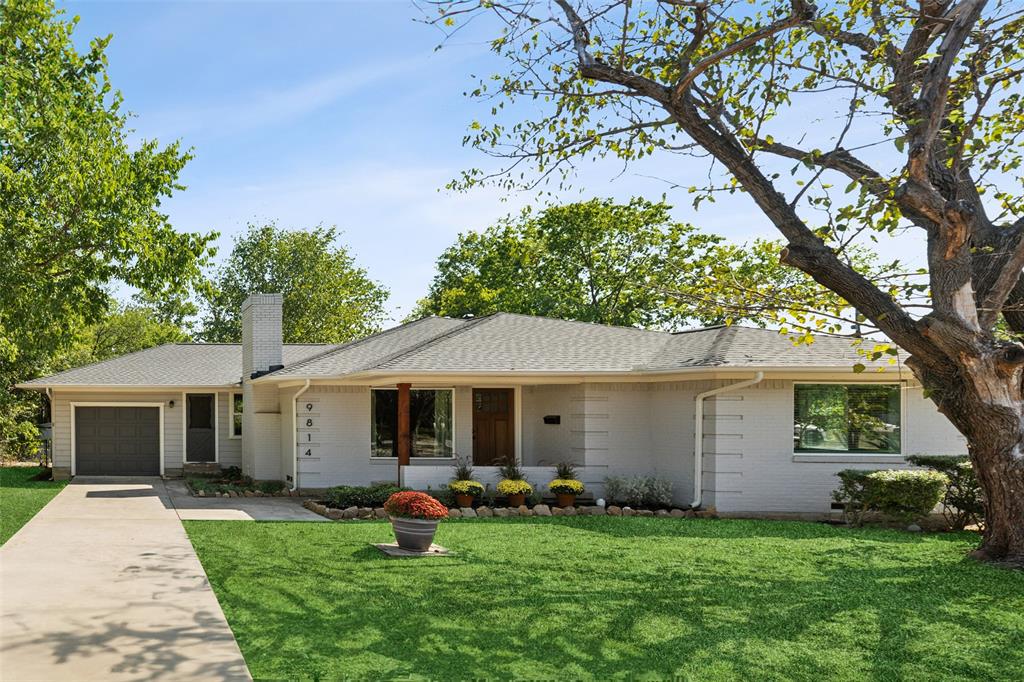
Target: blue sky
x,y
338,113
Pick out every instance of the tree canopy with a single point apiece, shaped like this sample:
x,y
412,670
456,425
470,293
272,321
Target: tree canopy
x,y
327,297
918,113
79,205
622,264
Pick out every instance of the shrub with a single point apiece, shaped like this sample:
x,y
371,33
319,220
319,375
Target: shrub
x,y
904,495
344,496
466,487
414,505
962,503
270,487
566,486
233,473
638,491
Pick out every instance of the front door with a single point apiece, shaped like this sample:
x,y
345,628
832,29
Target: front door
x,y
493,426
200,441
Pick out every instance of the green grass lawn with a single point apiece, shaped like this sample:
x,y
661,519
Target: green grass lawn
x,y
597,598
21,497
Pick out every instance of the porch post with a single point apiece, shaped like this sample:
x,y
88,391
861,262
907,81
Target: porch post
x,y
404,439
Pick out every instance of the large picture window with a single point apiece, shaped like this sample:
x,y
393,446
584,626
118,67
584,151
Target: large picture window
x,y
430,422
846,418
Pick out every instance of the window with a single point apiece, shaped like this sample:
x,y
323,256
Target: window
x,y
236,415
846,418
430,422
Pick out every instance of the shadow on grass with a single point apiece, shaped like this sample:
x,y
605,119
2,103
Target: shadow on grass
x,y
587,598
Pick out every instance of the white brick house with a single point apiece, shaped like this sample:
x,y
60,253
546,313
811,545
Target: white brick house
x,y
776,422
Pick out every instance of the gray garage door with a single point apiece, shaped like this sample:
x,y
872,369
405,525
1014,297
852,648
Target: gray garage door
x,y
117,441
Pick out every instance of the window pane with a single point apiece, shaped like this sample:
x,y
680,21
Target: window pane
x,y
846,418
383,423
430,423
430,418
236,414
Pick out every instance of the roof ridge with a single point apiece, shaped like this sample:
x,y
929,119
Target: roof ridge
x,y
583,322
102,362
355,342
231,343
469,324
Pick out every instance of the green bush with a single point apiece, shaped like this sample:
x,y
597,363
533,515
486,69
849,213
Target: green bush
x,y
639,492
904,495
963,504
344,496
270,487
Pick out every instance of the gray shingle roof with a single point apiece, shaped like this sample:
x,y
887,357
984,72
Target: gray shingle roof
x,y
373,350
498,343
174,364
506,342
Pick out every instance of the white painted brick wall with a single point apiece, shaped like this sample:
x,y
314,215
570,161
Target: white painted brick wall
x,y
753,468
261,333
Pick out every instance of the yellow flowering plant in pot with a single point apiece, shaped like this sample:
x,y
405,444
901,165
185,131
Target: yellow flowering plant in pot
x,y
513,484
462,485
566,486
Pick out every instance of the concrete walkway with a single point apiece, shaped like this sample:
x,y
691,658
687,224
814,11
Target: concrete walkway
x,y
103,584
236,508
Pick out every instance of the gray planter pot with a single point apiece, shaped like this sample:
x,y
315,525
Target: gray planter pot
x,y
414,534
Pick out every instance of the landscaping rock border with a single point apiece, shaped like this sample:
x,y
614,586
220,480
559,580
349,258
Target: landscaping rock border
x,y
245,493
365,513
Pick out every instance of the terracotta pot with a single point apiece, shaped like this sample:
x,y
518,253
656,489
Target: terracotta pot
x,y
566,499
516,500
464,500
414,534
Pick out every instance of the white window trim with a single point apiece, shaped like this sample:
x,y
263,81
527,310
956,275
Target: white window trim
x,y
846,456
231,415
74,418
184,426
392,460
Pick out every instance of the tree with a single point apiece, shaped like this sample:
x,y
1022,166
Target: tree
x,y
327,298
920,114
622,264
80,207
594,261
126,329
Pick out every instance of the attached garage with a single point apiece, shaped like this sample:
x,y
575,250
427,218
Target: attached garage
x,y
121,440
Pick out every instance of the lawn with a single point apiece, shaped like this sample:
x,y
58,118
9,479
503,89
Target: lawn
x,y
593,598
21,497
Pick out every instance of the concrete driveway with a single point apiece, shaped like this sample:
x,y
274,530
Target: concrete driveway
x,y
103,584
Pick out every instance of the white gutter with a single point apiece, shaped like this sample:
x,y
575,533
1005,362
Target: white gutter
x,y
698,438
295,436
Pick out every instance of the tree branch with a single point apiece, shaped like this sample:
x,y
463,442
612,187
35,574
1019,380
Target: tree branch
x,y
802,11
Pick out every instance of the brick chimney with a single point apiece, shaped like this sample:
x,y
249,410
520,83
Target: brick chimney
x,y
261,333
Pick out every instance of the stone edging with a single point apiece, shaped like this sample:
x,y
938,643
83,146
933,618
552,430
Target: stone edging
x,y
243,493
366,513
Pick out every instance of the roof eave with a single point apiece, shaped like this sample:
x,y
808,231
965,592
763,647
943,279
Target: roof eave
x,y
701,369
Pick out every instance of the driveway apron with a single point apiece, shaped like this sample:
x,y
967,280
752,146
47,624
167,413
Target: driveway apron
x,y
103,584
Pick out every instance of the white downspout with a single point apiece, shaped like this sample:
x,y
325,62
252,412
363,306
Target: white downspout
x,y
698,431
295,436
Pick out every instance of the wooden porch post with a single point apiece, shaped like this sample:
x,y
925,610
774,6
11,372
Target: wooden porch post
x,y
404,439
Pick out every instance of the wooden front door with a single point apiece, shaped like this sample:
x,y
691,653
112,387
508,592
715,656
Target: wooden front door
x,y
493,426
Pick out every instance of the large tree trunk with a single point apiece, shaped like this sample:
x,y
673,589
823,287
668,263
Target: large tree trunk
x,y
1001,474
987,406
